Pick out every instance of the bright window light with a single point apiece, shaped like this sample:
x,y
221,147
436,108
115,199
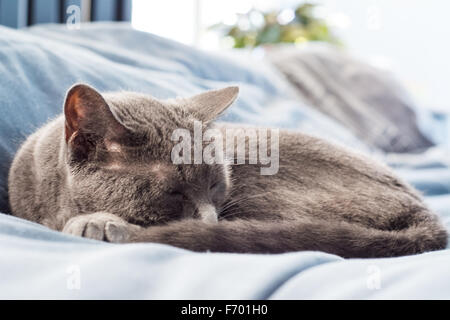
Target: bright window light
x,y
172,19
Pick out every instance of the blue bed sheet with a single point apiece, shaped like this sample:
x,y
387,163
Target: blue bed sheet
x,y
37,65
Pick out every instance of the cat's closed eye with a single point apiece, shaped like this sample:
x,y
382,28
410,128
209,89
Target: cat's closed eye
x,y
217,186
177,195
214,186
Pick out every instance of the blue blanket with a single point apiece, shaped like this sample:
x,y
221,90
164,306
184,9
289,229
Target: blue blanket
x,y
37,66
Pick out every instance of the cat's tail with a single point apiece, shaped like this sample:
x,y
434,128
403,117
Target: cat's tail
x,y
340,238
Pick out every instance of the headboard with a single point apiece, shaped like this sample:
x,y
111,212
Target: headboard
x,y
22,13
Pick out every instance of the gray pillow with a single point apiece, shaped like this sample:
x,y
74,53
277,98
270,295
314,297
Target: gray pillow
x,y
364,99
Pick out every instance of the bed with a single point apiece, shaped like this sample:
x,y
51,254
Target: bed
x,y
37,66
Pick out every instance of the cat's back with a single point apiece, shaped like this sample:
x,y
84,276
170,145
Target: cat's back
x,y
322,179
33,172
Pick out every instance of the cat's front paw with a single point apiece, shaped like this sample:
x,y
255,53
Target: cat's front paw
x,y
100,226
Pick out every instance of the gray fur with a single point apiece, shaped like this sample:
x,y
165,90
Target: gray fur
x,y
104,171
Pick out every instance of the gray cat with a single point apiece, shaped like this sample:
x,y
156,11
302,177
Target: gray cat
x,y
103,170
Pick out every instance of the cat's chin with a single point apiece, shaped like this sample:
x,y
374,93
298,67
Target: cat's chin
x,y
208,214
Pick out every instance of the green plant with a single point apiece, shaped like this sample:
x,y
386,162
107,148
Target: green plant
x,y
300,25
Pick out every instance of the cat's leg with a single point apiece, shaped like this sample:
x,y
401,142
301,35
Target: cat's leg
x,y
100,226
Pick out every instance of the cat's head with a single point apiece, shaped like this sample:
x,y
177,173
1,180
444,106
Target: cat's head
x,y
117,156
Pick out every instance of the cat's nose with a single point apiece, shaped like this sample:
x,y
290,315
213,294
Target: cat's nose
x,y
207,213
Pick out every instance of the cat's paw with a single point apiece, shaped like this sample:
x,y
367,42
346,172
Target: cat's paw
x,y
100,226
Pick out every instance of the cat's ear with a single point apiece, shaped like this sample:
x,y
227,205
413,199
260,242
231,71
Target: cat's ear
x,y
88,117
209,105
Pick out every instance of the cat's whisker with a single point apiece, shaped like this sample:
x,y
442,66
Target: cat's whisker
x,y
239,200
230,208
